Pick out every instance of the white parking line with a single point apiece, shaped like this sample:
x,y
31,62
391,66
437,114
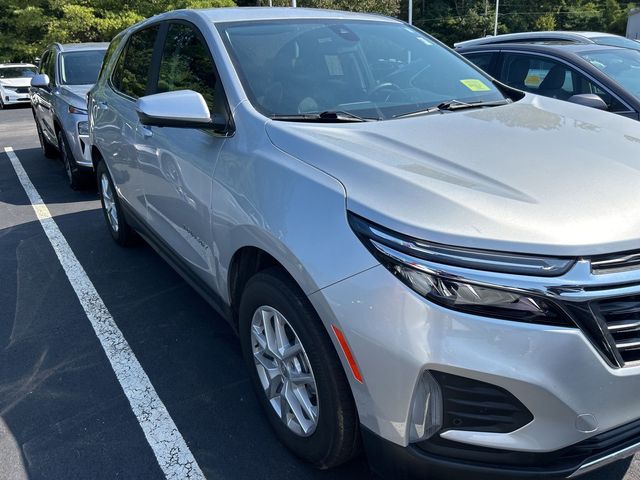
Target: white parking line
x,y
171,451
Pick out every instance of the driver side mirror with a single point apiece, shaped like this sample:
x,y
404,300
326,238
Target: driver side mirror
x,y
40,81
589,100
179,109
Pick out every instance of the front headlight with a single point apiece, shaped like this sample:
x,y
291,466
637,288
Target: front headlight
x,y
411,262
83,128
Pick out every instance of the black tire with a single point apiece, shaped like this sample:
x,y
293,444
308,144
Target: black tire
x,y
122,233
336,438
1,104
75,177
48,150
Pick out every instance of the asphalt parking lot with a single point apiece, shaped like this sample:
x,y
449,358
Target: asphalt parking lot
x,y
63,413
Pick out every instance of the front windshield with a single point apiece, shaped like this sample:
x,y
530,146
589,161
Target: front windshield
x,y
17,72
81,68
373,69
615,41
623,65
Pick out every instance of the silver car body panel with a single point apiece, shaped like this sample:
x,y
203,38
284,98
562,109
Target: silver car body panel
x,y
539,176
461,187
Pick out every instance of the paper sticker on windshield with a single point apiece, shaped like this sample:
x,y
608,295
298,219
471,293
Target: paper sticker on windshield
x,y
475,85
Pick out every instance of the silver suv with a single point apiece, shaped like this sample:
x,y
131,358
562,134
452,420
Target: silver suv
x,y
59,103
414,256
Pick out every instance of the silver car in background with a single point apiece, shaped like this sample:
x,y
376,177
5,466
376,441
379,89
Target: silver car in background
x,y
416,258
59,103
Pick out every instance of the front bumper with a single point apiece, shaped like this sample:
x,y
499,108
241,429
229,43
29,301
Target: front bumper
x,y
78,144
13,98
390,460
570,389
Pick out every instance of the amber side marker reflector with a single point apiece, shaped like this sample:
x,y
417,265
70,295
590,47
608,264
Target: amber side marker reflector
x,y
347,353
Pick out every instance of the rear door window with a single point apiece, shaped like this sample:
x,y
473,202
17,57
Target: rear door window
x,y
131,74
483,60
187,64
551,78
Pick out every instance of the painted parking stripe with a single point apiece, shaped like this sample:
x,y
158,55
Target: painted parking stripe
x,y
171,451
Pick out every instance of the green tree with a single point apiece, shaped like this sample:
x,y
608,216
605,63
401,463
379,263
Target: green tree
x,y
27,26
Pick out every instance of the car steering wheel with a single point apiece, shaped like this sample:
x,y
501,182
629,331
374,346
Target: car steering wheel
x,y
389,87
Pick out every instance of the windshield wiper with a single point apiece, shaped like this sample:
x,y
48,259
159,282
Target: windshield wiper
x,y
324,117
452,105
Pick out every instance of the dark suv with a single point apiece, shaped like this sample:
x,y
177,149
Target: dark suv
x,y
598,76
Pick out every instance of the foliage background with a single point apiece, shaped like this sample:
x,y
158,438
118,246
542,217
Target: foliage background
x,y
27,26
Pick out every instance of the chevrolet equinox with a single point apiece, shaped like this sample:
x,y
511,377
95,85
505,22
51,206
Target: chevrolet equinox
x,y
417,259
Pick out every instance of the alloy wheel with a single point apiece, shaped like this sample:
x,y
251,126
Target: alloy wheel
x,y
108,201
284,371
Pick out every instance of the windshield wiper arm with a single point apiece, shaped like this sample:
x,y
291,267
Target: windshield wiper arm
x,y
452,105
324,117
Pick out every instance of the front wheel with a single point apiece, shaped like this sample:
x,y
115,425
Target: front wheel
x,y
296,372
48,150
120,230
74,175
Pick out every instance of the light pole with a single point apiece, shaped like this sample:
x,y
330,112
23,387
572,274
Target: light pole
x,y
293,3
410,12
495,27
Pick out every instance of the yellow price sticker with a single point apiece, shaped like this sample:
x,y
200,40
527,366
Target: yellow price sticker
x,y
475,85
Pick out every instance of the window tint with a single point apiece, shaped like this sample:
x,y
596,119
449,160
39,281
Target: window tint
x,y
107,58
622,65
483,60
551,78
186,64
80,68
17,72
368,68
132,70
43,61
47,65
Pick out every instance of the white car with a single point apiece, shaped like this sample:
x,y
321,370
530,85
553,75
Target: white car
x,y
15,79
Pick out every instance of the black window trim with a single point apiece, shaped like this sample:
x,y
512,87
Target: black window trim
x,y
579,70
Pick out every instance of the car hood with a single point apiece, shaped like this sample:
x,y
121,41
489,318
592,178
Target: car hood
x,y
76,95
536,176
16,82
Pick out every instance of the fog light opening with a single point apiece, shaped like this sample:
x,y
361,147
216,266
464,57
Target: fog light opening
x,y
426,411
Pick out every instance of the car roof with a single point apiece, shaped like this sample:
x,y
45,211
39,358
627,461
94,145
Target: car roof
x,y
584,37
275,13
7,65
72,47
557,48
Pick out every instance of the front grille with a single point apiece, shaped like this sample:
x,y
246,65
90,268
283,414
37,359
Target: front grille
x,y
615,263
22,90
622,319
